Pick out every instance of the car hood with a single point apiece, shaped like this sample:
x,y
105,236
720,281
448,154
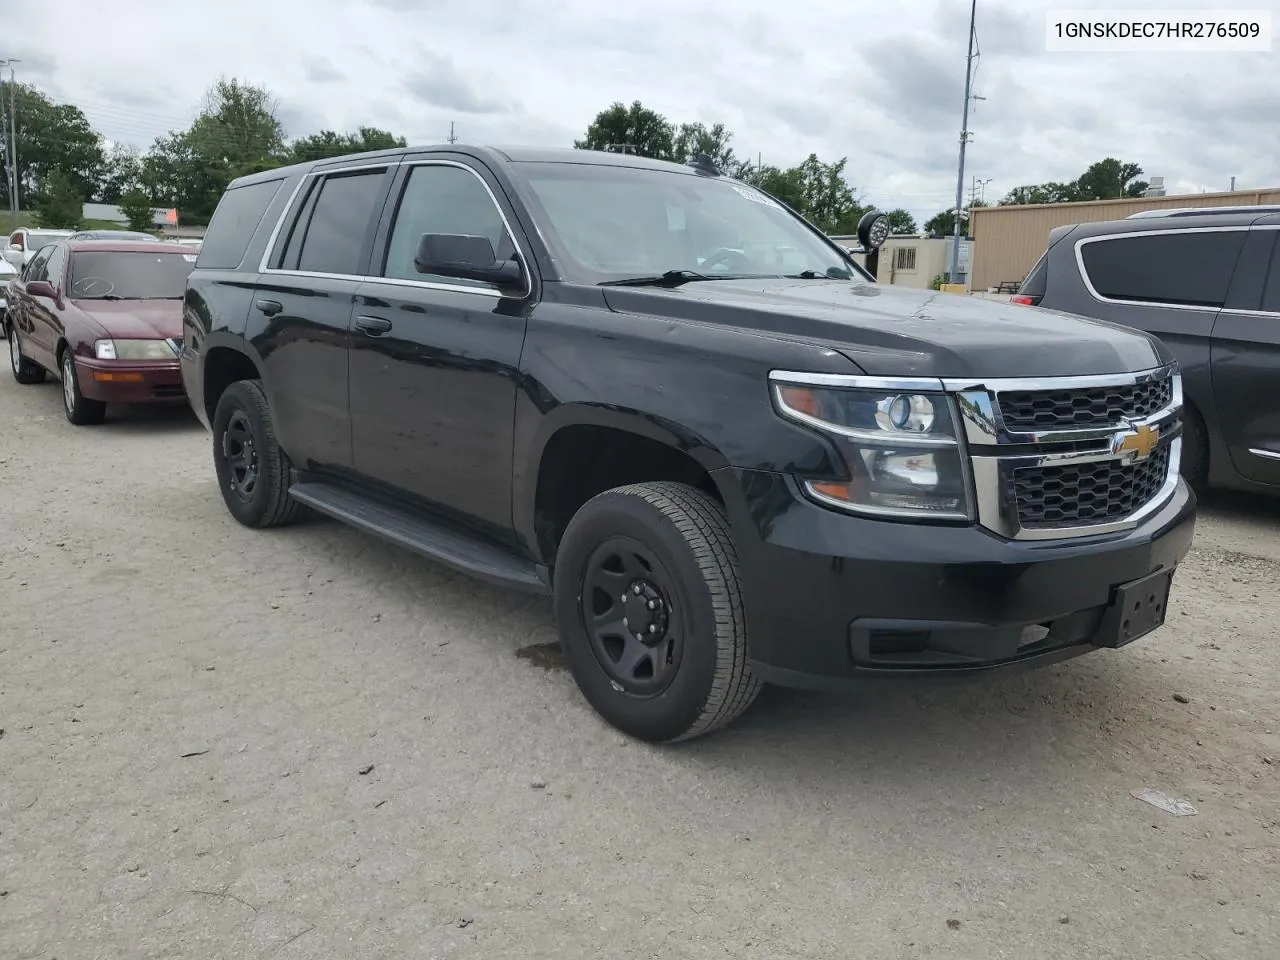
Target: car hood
x,y
135,319
903,331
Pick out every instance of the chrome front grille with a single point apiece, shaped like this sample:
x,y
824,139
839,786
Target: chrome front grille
x,y
1072,456
1084,406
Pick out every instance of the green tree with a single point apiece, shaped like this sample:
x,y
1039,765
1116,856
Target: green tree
x,y
235,134
692,139
59,202
138,209
1110,179
121,172
900,221
51,137
634,129
328,143
944,223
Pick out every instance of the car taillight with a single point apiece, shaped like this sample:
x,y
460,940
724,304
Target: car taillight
x,y
1023,299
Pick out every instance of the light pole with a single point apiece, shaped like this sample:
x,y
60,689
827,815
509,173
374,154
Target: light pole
x,y
964,140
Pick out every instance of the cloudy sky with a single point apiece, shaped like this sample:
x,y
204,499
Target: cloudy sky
x,y
880,83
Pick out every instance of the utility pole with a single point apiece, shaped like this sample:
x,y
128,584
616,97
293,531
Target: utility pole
x,y
1233,184
964,140
453,137
11,141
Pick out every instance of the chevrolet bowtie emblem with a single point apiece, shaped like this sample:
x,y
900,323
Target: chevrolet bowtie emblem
x,y
1139,444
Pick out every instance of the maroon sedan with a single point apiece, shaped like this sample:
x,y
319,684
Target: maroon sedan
x,y
106,318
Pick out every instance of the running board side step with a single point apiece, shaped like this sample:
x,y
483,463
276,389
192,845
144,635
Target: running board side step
x,y
432,540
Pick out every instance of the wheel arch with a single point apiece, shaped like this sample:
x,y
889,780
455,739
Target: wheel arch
x,y
584,449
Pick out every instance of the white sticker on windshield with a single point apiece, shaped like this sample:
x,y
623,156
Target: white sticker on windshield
x,y
189,257
675,217
756,196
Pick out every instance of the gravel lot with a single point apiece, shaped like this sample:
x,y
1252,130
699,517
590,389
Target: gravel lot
x,y
305,743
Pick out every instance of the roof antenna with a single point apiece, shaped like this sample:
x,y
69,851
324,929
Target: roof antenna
x,y
703,163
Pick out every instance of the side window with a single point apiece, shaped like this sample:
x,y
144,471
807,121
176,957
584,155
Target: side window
x,y
233,224
1192,269
36,269
1271,292
339,221
56,266
438,198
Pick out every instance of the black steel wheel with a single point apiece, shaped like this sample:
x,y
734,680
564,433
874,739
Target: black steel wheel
x,y
650,612
629,613
254,473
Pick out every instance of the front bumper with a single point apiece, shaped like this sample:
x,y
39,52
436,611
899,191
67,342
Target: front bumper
x,y
125,382
832,597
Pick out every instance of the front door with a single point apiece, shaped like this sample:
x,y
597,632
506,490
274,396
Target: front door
x,y
1246,361
434,360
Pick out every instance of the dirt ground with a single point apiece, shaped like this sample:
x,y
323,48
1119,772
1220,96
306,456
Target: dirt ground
x,y
220,743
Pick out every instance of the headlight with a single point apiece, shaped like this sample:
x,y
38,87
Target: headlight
x,y
133,350
901,449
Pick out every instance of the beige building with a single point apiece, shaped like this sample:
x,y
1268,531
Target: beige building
x,y
1009,240
914,260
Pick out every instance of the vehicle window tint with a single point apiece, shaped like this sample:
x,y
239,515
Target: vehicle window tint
x,y
336,231
443,199
289,244
1183,268
1271,293
233,224
1038,279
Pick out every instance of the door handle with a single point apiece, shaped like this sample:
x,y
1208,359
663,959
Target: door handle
x,y
373,326
269,307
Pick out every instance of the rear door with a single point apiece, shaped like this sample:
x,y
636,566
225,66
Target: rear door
x,y
33,312
302,309
1246,360
1171,282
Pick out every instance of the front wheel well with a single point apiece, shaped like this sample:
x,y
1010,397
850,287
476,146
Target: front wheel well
x,y
223,367
584,460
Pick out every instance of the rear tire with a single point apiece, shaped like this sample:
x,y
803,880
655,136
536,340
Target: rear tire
x,y
662,556
1195,450
253,472
79,409
24,371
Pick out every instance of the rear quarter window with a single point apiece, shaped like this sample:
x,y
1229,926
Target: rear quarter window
x,y
1038,279
1189,269
233,225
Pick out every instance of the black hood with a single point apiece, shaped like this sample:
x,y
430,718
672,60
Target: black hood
x,y
902,331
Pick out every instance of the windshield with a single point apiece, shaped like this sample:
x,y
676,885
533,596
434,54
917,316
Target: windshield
x,y
608,223
129,275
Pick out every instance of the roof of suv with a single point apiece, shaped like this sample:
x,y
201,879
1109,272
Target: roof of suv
x,y
1186,219
498,154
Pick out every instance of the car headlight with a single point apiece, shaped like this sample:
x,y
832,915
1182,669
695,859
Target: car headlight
x,y
901,449
133,350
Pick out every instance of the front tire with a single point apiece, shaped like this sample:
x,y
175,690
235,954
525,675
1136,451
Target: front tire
x,y
79,409
1195,450
254,473
650,612
24,371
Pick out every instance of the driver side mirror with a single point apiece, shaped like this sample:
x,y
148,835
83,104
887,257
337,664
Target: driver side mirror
x,y
465,257
42,288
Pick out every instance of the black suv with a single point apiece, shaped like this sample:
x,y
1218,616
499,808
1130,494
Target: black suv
x,y
1206,281
659,395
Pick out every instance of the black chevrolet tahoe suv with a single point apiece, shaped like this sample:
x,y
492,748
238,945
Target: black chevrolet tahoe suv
x,y
660,396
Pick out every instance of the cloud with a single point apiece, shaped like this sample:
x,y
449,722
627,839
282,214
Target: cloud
x,y
881,85
439,82
322,70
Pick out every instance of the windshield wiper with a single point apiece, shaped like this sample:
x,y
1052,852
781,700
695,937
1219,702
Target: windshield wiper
x,y
672,278
815,275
